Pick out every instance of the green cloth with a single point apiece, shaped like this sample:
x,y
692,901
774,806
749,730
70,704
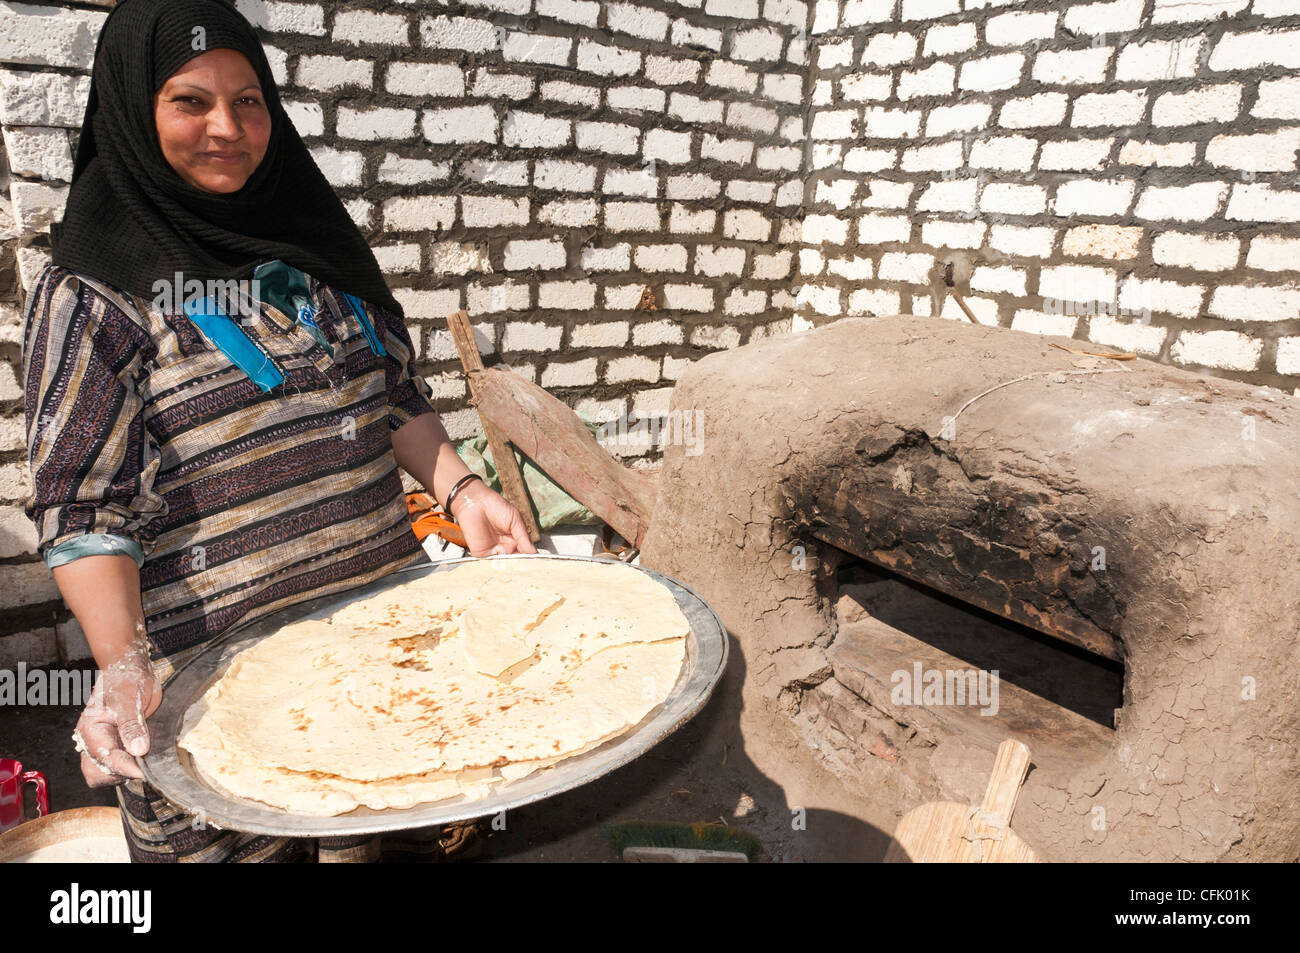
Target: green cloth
x,y
552,507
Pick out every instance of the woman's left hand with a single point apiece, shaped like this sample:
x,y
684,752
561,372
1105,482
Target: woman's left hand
x,y
492,526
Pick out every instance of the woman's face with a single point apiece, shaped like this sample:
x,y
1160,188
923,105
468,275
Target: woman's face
x,y
212,121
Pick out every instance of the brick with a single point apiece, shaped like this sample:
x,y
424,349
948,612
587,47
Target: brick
x,y
1082,155
1262,152
1093,198
749,116
685,33
1181,203
615,258
422,79
757,192
398,259
1102,241
1159,59
633,99
992,72
1159,295
999,280
707,335
535,131
1273,253
936,158
382,29
1201,252
889,49
695,221
1278,99
864,87
487,211
656,332
746,225
882,193
1262,203
571,374
568,295
571,214
340,168
42,99
1017,29
278,17
641,182
790,12
694,109
496,172
37,205
41,152
874,301
503,296
460,124
1003,152
536,48
327,73
1229,350
928,9
955,196
1072,67
1029,242
1201,105
877,229
945,39
834,124
564,176
372,124
581,12
428,305
714,260
821,299
531,336
1008,199
1099,19
1044,109
490,85
653,258
632,368
953,234
1288,355
1084,283
307,118
1256,302
666,71
1124,108
632,216
1127,336
688,297
458,33
48,36
1180,11
934,80
1036,322
1275,8
823,229
853,268
609,137
542,253
771,267
664,144
882,123
459,258
1148,154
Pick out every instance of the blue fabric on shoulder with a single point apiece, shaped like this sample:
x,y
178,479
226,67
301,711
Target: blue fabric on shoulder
x,y
227,335
359,309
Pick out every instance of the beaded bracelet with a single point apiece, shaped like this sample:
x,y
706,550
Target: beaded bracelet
x,y
456,489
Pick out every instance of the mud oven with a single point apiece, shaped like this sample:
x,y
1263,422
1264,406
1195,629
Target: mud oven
x,y
886,511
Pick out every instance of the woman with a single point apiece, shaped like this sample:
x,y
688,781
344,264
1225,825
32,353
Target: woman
x,y
218,390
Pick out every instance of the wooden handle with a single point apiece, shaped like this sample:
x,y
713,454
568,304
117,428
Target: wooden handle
x,y
1009,770
503,455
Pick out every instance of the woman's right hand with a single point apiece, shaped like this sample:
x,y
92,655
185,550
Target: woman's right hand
x,y
112,732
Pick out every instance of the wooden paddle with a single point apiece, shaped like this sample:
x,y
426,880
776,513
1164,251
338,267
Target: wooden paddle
x,y
947,832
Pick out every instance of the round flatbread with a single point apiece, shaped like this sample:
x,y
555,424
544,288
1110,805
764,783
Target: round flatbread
x,y
446,685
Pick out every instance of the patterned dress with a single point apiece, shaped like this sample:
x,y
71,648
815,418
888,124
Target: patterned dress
x,y
145,437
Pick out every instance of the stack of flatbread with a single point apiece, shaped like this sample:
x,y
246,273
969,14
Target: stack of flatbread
x,y
446,685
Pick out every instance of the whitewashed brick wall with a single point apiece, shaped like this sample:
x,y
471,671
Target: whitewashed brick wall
x,y
1123,171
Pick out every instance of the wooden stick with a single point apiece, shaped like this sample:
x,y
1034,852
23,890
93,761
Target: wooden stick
x,y
1009,770
503,455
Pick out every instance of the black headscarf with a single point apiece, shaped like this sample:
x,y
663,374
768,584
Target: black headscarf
x,y
131,219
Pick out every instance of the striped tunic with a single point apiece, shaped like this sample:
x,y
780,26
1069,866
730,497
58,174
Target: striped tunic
x,y
241,501
144,436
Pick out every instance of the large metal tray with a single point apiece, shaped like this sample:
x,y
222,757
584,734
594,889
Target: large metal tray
x,y
171,771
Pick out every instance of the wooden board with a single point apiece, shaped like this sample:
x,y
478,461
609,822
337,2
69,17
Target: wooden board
x,y
947,832
512,481
555,438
